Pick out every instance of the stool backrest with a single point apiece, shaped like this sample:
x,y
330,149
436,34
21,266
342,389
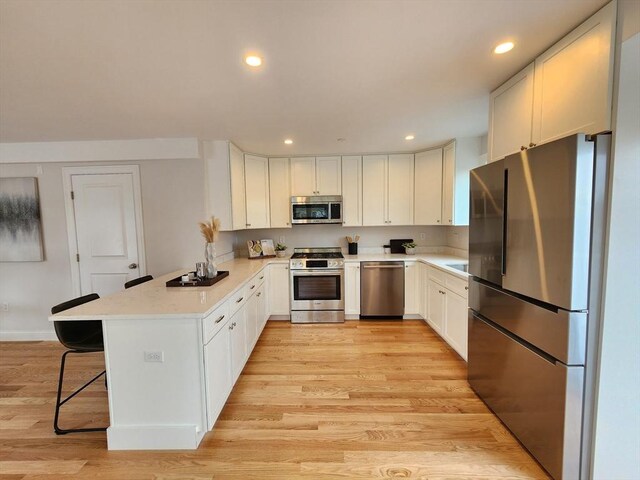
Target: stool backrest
x,y
137,281
74,334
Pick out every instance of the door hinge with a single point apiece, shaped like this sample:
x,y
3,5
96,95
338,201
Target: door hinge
x,y
77,257
73,197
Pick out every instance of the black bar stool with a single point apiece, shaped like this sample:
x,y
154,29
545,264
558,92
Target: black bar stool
x,y
79,336
137,281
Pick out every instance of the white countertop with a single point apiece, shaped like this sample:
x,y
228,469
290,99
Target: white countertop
x,y
436,260
154,299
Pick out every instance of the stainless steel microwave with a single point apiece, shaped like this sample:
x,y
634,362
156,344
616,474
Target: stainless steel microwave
x,y
307,210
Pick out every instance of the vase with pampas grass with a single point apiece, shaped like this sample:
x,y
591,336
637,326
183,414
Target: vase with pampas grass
x,y
210,231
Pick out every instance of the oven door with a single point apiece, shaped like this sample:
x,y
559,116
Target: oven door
x,y
320,289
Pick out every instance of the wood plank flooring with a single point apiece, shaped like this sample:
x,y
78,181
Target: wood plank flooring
x,y
362,400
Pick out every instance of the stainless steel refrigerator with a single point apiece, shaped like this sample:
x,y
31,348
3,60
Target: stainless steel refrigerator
x,y
535,254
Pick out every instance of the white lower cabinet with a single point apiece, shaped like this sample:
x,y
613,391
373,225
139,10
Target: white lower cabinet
x,y
238,343
263,310
218,380
252,322
411,288
352,289
423,299
447,308
279,289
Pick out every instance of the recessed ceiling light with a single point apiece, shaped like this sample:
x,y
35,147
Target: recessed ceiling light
x,y
409,137
253,60
288,141
503,48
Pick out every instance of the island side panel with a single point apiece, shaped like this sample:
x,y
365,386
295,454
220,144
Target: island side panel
x,y
155,405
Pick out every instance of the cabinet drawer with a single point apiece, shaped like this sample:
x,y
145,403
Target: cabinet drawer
x,y
457,285
213,322
256,282
437,276
238,299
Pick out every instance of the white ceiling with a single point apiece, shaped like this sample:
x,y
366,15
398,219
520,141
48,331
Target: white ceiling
x,y
368,71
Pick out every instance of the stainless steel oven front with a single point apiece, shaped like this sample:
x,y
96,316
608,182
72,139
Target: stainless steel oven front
x,y
317,295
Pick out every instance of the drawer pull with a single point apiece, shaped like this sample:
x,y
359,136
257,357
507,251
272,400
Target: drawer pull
x,y
220,319
239,300
231,327
252,287
258,294
234,324
262,277
466,288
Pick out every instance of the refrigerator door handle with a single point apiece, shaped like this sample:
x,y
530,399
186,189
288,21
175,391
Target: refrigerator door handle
x,y
505,235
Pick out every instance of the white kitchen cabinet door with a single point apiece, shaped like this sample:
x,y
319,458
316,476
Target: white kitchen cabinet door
x,y
256,172
411,288
280,192
238,337
435,306
574,80
456,324
400,189
448,179
303,176
238,194
352,289
328,176
218,381
374,190
263,315
423,291
352,190
511,115
279,289
428,188
252,321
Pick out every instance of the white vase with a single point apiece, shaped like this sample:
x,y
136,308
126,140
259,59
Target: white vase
x,y
281,253
410,251
210,259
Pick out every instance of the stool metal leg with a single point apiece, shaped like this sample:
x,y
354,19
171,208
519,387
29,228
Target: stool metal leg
x,y
58,430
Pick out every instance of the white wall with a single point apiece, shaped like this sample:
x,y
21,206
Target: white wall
x,y
172,203
617,418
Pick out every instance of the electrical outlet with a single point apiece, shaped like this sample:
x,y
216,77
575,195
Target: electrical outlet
x,y
4,306
39,170
282,240
154,356
423,236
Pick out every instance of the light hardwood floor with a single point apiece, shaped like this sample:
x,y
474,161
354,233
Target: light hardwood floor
x,y
362,400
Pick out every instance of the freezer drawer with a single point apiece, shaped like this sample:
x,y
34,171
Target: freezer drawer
x,y
561,334
538,400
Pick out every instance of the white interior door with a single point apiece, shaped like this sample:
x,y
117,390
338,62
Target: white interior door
x,y
107,234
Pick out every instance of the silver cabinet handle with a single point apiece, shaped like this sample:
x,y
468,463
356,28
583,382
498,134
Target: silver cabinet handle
x,y
382,266
262,277
258,294
231,327
532,144
234,324
239,300
252,287
466,288
438,221
248,224
133,266
220,319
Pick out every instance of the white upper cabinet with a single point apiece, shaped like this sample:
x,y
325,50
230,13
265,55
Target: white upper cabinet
x,y
352,190
400,190
574,79
328,176
256,172
279,192
428,188
225,184
303,176
567,90
315,176
387,189
459,157
374,190
511,115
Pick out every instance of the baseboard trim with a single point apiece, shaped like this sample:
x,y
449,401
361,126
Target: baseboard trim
x,y
280,318
166,437
27,336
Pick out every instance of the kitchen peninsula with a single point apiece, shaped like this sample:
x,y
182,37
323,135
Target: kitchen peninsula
x,y
173,354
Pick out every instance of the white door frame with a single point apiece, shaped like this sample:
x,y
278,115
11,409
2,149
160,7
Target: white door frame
x,y
72,234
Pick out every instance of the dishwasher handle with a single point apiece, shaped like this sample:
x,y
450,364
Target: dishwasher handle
x,y
382,266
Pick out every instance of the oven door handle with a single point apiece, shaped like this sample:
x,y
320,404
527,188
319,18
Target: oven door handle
x,y
316,273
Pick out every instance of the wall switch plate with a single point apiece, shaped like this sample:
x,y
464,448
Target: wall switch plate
x,y
4,306
423,236
282,240
154,356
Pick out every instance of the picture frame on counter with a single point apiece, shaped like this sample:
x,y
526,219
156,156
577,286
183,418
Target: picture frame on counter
x,y
261,249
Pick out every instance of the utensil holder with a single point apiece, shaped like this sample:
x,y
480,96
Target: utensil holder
x,y
353,248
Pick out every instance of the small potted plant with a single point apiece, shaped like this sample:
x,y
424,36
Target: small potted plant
x,y
280,250
409,248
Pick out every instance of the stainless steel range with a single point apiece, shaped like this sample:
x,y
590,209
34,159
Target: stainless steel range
x,y
317,285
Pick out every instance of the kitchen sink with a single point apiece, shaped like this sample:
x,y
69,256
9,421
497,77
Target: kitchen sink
x,y
463,267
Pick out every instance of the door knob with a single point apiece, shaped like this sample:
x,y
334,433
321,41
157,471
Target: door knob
x,y
133,266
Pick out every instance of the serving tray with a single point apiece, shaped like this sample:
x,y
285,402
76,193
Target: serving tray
x,y
207,282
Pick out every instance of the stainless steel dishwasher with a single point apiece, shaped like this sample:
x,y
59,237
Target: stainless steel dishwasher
x,y
382,289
